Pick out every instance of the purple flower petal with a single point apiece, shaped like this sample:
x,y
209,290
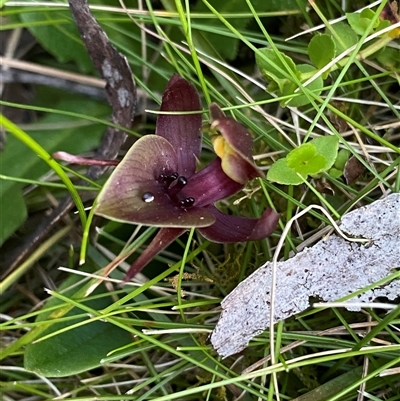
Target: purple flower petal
x,y
135,194
182,131
163,238
240,229
210,185
235,148
215,112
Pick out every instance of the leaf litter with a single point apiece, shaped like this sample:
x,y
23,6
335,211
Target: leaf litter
x,y
331,269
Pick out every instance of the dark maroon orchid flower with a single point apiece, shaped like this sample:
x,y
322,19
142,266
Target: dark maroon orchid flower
x,y
156,184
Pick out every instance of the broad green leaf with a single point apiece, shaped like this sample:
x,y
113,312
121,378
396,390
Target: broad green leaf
x,y
344,38
282,174
321,51
77,350
315,86
275,70
57,33
17,160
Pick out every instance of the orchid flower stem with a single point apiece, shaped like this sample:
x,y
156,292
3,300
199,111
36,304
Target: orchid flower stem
x,y
181,270
35,147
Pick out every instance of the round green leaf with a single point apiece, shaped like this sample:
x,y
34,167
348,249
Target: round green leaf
x,y
282,174
274,69
327,146
360,22
321,50
345,37
302,153
308,159
305,160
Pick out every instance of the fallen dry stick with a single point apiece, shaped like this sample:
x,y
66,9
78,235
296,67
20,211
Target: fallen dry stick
x,y
330,270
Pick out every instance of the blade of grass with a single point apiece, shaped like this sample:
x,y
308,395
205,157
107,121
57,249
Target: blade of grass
x,y
46,157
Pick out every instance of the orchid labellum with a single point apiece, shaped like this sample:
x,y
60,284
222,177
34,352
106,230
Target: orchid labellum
x,y
156,184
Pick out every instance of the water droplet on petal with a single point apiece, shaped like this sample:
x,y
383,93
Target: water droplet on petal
x,y
182,181
187,202
147,197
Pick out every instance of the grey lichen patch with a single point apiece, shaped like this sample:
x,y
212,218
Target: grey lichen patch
x,y
330,270
116,75
110,73
123,97
106,69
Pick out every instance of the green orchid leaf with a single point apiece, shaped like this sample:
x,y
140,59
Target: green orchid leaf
x,y
315,86
321,51
74,350
226,46
57,33
282,174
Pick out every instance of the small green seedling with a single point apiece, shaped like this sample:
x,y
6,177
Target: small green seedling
x,y
286,78
310,158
